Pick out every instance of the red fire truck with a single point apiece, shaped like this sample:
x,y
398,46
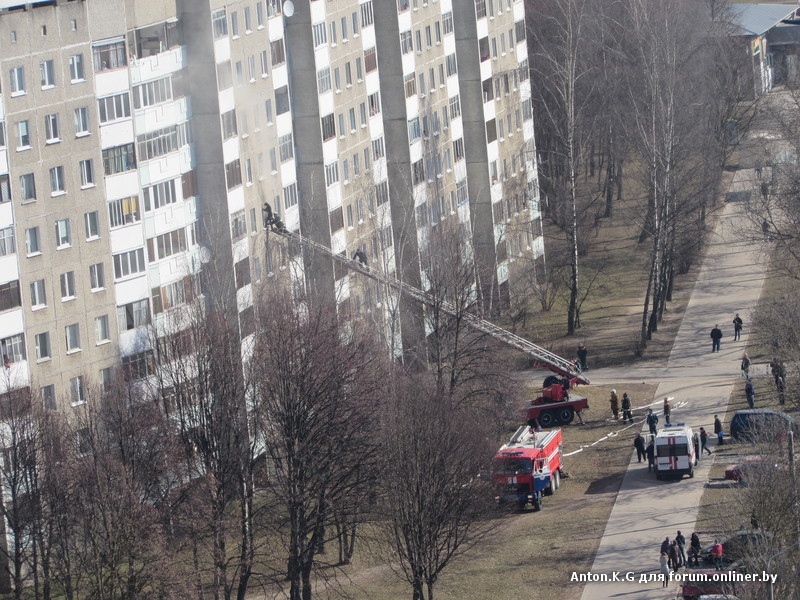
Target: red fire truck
x,y
556,405
527,467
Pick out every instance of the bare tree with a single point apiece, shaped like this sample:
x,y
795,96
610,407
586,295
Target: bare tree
x,y
316,382
435,507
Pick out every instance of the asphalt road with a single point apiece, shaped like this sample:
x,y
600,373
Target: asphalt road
x,y
646,510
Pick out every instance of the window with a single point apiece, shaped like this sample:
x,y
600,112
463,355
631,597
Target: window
x,y
57,185
238,225
320,34
337,219
438,28
406,42
241,273
97,277
417,172
102,333
7,243
248,171
382,193
13,348
38,296
354,17
345,171
28,185
119,159
17,77
81,121
410,85
428,37
138,366
274,7
109,56
132,315
260,14
418,38
224,76
63,237
72,333
337,79
162,141
324,80
519,28
219,23
160,194
348,74
264,64
129,263
152,92
491,131
331,173
289,196
234,24
359,74
282,100
87,173
458,149
92,222
367,17
370,60
124,211
24,134
77,393
115,107
277,52
48,394
76,70
5,188
378,150
67,285
172,294
450,61
414,131
352,114
286,147
233,174
344,29
402,5
328,127
48,74
229,129
251,67
248,19
455,106
32,243
171,243
374,102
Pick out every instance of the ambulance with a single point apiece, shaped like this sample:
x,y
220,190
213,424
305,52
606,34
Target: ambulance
x,y
677,451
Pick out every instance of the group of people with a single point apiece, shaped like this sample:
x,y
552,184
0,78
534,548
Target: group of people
x,y
645,450
627,414
716,333
673,554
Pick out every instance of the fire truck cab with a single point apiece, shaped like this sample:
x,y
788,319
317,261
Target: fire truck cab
x,y
527,467
677,451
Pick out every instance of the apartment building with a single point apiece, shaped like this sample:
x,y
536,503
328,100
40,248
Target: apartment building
x,y
140,140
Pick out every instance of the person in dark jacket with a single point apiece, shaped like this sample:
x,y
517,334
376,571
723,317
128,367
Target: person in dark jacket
x,y
716,336
704,440
694,550
737,327
681,541
674,558
665,546
614,401
627,415
652,421
745,365
638,443
750,392
650,451
718,431
582,357
667,410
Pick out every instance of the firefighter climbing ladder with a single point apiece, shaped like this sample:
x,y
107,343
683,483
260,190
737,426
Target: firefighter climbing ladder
x,y
540,355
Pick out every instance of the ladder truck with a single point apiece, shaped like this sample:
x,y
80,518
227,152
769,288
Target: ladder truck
x,y
555,405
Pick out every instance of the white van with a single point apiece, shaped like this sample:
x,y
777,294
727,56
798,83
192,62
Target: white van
x,y
677,449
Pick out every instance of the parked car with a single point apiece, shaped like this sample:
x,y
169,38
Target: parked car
x,y
738,546
695,590
738,472
747,423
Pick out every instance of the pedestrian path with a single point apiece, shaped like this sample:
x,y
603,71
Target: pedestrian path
x,y
646,510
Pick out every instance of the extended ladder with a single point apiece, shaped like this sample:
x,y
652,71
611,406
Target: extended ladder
x,y
541,356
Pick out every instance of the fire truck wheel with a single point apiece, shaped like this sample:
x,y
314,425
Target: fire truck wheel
x,y
547,419
537,504
565,415
691,473
548,491
556,480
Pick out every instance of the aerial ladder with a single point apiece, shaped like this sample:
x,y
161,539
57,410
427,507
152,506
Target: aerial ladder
x,y
540,356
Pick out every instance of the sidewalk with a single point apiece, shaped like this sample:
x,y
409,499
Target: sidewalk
x,y
646,510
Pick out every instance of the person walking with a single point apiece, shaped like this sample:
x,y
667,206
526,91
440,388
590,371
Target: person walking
x,y
638,443
716,555
583,357
652,421
745,365
694,550
750,392
718,431
614,401
704,440
667,410
664,569
665,546
627,415
681,547
650,451
737,327
716,336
